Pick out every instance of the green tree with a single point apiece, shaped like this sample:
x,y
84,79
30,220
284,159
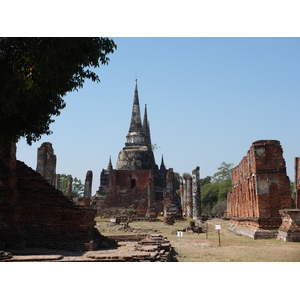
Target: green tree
x,y
223,173
219,208
209,196
186,175
36,73
205,180
77,185
224,188
214,189
292,186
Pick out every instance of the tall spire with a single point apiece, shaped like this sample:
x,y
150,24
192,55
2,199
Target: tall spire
x,y
146,128
136,123
137,153
135,135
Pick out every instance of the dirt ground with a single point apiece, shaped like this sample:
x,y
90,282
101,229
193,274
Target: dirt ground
x,y
194,247
191,247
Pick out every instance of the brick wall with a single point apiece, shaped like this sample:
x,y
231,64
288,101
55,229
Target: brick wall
x,y
260,186
34,214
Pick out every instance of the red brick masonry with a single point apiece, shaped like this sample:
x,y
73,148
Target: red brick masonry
x,y
260,187
34,214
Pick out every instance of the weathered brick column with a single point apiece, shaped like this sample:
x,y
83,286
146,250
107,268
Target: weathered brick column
x,y
46,162
184,196
297,182
196,194
181,196
189,197
88,185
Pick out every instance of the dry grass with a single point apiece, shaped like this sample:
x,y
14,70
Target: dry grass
x,y
198,248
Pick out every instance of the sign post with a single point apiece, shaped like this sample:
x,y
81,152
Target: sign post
x,y
218,227
198,222
206,230
179,234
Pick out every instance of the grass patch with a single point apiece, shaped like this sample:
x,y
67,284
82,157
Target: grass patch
x,y
198,248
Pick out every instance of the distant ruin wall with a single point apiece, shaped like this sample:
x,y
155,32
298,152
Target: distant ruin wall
x,y
260,187
129,189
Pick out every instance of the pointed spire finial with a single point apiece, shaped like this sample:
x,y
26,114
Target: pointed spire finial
x,y
135,134
162,164
146,128
109,167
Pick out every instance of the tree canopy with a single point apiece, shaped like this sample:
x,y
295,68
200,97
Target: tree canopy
x,y
36,73
77,185
214,190
224,172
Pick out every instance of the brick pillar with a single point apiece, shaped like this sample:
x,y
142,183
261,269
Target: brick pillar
x,y
46,162
181,195
88,185
184,210
189,198
196,194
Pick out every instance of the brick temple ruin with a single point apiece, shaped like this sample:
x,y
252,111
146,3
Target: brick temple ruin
x,y
34,213
137,182
260,204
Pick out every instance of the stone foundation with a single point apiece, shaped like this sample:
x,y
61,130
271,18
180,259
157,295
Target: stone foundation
x,y
252,232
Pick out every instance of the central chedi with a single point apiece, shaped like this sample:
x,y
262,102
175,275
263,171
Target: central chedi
x,y
137,182
137,153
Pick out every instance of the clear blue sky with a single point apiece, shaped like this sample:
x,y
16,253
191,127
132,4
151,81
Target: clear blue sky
x,y
208,100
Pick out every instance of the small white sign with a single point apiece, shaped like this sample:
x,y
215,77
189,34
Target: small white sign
x,y
179,233
198,221
218,227
112,220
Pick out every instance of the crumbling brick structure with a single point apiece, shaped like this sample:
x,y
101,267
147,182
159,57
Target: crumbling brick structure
x,y
260,188
172,204
35,214
129,189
